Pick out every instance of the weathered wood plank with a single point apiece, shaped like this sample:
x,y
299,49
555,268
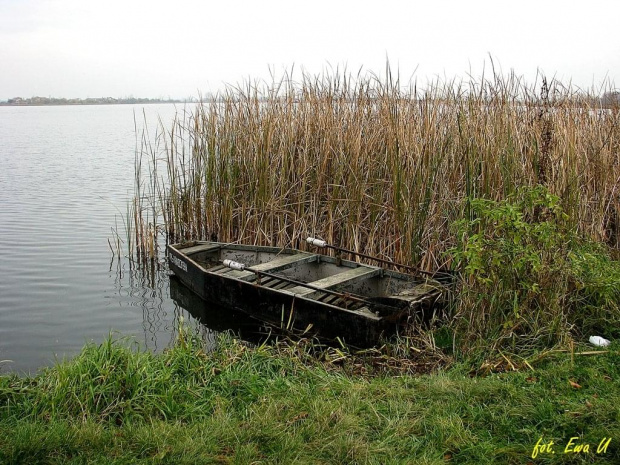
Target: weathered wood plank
x,y
241,274
215,269
330,299
350,276
282,285
285,261
199,248
263,281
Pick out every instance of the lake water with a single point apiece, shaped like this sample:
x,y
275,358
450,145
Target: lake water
x,y
66,174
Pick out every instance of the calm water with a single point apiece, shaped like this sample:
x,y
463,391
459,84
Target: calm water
x,y
66,173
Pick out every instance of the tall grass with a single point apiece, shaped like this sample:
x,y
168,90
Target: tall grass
x,y
375,165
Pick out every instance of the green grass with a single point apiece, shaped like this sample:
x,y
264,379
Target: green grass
x,y
282,404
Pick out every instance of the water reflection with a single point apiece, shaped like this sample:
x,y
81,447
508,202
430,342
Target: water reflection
x,y
147,289
164,301
66,176
215,318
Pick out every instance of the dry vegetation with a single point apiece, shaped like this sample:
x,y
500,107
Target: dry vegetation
x,y
376,166
517,186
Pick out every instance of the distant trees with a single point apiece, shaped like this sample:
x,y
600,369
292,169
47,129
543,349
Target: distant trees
x,y
610,99
79,101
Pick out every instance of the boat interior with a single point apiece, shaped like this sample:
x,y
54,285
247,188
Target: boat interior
x,y
328,279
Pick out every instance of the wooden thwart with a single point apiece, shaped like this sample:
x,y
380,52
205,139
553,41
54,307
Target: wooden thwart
x,y
199,248
346,277
286,261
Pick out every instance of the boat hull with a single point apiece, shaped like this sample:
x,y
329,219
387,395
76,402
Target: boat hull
x,y
296,309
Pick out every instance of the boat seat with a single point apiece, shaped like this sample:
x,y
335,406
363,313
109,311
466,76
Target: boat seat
x,y
278,264
346,277
286,261
240,274
199,248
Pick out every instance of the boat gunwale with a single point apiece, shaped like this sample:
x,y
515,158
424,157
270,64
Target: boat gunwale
x,y
322,258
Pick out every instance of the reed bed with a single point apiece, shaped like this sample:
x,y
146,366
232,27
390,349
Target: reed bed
x,y
391,170
374,165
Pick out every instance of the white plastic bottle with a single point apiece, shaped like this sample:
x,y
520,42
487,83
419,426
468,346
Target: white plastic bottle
x,y
599,341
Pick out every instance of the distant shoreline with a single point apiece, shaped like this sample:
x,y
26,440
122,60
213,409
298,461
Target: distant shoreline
x,y
4,104
44,101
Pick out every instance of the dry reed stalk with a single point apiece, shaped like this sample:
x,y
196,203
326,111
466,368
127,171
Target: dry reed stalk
x,y
376,167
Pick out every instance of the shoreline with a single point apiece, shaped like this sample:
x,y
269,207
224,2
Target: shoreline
x,y
282,404
4,104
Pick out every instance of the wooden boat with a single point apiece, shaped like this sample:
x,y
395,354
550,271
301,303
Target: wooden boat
x,y
305,291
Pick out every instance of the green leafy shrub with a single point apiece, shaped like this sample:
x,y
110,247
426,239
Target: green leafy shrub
x,y
528,280
596,297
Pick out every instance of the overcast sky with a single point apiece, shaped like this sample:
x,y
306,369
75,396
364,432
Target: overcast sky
x,y
178,48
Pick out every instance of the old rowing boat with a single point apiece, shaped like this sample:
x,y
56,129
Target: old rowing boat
x,y
301,290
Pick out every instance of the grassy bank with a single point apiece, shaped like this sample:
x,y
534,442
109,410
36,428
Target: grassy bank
x,y
281,404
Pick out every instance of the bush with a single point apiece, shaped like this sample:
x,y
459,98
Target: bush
x,y
528,280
